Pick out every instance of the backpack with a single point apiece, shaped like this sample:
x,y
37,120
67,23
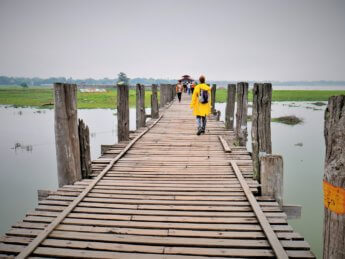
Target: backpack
x,y
203,96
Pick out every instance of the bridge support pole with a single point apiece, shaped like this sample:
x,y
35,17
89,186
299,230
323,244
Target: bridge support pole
x,y
122,113
66,134
169,93
174,91
261,125
154,103
230,107
162,91
140,106
334,179
85,153
241,113
213,99
272,177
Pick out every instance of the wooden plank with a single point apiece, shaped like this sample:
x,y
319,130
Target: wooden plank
x,y
171,241
225,145
82,253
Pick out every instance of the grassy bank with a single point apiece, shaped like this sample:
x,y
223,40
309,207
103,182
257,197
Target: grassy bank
x,y
43,97
289,95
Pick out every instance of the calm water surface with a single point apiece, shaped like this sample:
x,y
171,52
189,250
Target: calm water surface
x,y
28,159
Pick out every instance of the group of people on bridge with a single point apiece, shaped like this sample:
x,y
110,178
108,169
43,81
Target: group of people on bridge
x,y
200,103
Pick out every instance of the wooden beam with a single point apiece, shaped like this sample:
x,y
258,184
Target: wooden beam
x,y
140,106
225,145
230,107
43,194
334,179
261,125
213,98
122,113
66,133
292,211
271,167
85,153
154,102
241,113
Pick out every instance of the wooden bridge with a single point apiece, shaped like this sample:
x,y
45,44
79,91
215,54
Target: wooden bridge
x,y
167,193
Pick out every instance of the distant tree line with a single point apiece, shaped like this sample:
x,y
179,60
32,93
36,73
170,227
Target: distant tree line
x,y
36,81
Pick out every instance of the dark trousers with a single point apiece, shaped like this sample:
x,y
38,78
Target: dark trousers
x,y
179,96
201,121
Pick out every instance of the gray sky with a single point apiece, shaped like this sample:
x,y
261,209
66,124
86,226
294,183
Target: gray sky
x,y
223,39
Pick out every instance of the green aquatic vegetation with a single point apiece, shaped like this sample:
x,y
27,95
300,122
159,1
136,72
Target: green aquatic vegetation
x,y
319,104
289,120
289,95
43,97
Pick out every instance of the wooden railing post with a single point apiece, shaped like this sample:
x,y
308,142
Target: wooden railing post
x,y
85,153
66,134
122,113
241,113
174,91
230,107
334,179
154,103
272,177
140,106
162,95
168,93
261,125
213,99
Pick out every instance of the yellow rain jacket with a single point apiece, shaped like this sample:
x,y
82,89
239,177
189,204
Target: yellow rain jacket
x,y
201,109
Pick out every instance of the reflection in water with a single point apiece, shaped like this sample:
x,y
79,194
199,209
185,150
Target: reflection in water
x,y
23,173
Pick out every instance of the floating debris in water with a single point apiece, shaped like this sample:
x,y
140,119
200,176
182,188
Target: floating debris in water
x,y
18,145
289,120
313,108
319,103
39,111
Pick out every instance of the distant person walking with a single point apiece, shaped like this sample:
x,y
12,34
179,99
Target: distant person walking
x,y
192,87
188,88
179,89
184,88
201,104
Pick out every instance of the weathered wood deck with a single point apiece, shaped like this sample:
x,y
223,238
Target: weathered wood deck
x,y
166,193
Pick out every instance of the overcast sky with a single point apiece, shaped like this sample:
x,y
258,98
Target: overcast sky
x,y
223,39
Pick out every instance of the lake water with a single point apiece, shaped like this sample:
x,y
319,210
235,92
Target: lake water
x,y
28,161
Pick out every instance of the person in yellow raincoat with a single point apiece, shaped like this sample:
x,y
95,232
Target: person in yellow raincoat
x,y
200,109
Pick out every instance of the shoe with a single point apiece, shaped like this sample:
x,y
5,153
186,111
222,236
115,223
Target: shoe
x,y
203,131
199,132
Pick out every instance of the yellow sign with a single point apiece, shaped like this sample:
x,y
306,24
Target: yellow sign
x,y
334,198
